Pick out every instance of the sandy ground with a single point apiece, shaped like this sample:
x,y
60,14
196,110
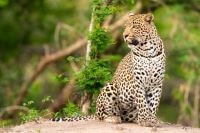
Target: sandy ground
x,y
94,127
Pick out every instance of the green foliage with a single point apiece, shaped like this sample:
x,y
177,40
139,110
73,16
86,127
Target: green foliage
x,y
6,123
75,59
102,12
71,110
100,40
94,76
97,71
102,9
99,37
31,114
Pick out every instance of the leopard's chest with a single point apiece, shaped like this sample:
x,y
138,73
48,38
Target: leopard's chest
x,y
148,72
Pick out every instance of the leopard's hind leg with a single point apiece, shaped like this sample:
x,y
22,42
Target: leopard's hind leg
x,y
107,108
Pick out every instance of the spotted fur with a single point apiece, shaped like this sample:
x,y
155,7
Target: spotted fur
x,y
134,93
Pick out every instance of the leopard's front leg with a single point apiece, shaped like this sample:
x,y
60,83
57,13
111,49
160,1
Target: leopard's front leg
x,y
153,96
145,117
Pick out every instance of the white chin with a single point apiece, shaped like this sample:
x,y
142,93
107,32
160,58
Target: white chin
x,y
130,46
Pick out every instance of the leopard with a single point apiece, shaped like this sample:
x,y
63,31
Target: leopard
x,y
134,93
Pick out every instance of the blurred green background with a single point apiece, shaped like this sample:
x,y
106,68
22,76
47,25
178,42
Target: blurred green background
x,y
28,27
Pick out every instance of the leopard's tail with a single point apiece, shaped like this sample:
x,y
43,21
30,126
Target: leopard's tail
x,y
77,118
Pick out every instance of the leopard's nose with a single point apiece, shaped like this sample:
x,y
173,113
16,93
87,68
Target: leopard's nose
x,y
135,42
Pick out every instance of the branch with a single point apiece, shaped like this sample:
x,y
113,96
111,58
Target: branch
x,y
50,58
58,29
10,109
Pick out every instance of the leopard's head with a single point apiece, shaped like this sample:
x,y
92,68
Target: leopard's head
x,y
140,31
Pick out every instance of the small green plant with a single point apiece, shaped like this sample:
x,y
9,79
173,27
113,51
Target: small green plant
x,y
62,78
47,99
5,123
70,110
32,113
94,76
75,59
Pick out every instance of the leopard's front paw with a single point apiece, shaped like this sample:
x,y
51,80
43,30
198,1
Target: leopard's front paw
x,y
149,122
113,119
155,122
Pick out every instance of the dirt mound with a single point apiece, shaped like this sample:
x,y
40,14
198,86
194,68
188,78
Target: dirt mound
x,y
94,127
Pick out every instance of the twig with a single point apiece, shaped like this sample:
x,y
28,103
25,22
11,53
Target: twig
x,y
88,49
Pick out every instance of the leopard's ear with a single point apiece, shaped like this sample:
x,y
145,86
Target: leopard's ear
x,y
149,17
131,14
